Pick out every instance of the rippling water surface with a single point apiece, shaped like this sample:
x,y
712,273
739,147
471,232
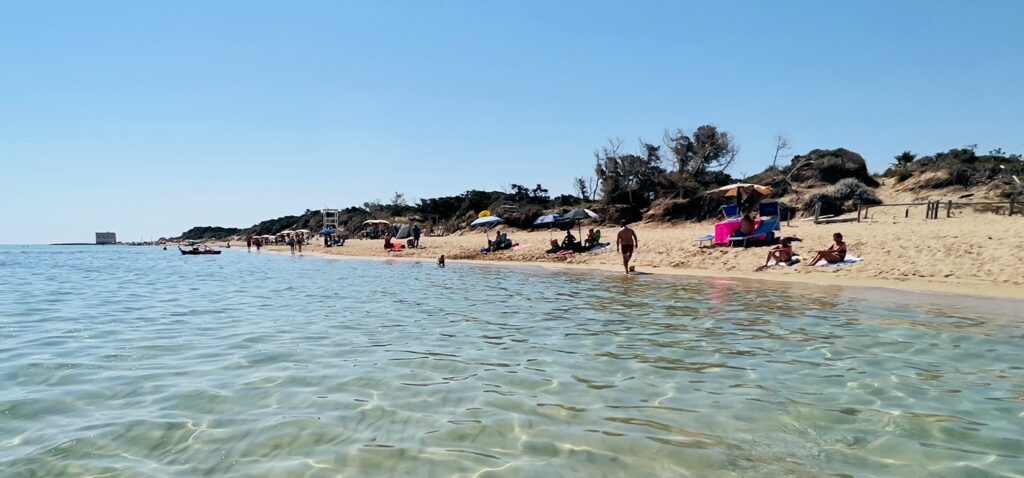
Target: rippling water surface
x,y
140,362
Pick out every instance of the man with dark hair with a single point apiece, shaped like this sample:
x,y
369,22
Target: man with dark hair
x,y
626,242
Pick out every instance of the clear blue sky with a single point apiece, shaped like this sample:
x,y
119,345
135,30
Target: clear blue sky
x,y
146,118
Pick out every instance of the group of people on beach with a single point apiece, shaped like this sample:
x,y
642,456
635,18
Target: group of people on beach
x,y
626,243
783,253
390,245
251,242
294,241
571,244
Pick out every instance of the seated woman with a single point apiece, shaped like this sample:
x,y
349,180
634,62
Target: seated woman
x,y
554,247
500,242
591,239
569,242
834,254
387,243
782,253
504,242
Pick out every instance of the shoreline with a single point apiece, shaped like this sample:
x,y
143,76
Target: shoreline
x,y
823,279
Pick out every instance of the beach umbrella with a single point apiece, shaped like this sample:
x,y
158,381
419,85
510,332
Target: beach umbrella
x,y
735,190
487,221
746,194
483,214
327,232
580,215
548,219
304,231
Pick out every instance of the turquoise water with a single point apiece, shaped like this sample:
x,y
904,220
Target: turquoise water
x,y
139,362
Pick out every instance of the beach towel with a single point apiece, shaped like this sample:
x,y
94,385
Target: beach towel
x,y
519,246
790,263
597,248
850,259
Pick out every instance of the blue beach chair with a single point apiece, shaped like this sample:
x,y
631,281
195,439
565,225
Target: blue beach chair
x,y
769,210
764,232
731,211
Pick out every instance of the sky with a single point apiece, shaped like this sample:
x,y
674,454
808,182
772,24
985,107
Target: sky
x,y
147,118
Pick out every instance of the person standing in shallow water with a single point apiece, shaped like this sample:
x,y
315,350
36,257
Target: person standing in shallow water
x,y
298,242
248,243
626,242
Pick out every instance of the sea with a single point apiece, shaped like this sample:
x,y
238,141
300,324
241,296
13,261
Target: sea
x,y
140,362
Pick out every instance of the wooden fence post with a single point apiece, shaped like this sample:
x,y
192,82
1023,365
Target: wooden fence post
x,y
949,208
817,212
860,209
1011,206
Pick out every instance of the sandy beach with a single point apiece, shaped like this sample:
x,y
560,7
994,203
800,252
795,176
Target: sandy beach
x,y
973,253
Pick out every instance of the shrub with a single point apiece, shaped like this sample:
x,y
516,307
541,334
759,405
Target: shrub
x,y
842,197
829,166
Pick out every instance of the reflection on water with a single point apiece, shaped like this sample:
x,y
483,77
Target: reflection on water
x,y
141,362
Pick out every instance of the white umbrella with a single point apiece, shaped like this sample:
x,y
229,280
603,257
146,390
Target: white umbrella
x,y
487,221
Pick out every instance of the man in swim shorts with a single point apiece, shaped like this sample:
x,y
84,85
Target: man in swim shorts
x,y
626,242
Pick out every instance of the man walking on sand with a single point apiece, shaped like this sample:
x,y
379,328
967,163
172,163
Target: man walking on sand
x,y
626,242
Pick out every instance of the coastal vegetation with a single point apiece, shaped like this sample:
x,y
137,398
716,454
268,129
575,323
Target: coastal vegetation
x,y
668,181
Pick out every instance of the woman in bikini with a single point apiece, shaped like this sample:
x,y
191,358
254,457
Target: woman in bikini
x,y
834,254
781,253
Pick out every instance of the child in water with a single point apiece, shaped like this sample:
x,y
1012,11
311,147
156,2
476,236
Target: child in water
x,y
440,261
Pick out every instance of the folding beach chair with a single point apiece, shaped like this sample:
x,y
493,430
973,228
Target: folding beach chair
x,y
731,211
764,232
769,210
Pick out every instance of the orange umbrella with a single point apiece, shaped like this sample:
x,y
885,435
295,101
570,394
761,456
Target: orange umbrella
x,y
734,190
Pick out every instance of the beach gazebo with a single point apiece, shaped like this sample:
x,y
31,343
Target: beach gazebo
x,y
374,228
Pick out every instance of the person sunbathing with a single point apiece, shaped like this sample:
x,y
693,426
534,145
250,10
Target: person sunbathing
x,y
835,253
747,226
782,253
591,239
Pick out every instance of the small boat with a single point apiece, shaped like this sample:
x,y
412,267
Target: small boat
x,y
198,251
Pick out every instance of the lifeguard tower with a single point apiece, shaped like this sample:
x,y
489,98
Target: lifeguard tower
x,y
331,218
